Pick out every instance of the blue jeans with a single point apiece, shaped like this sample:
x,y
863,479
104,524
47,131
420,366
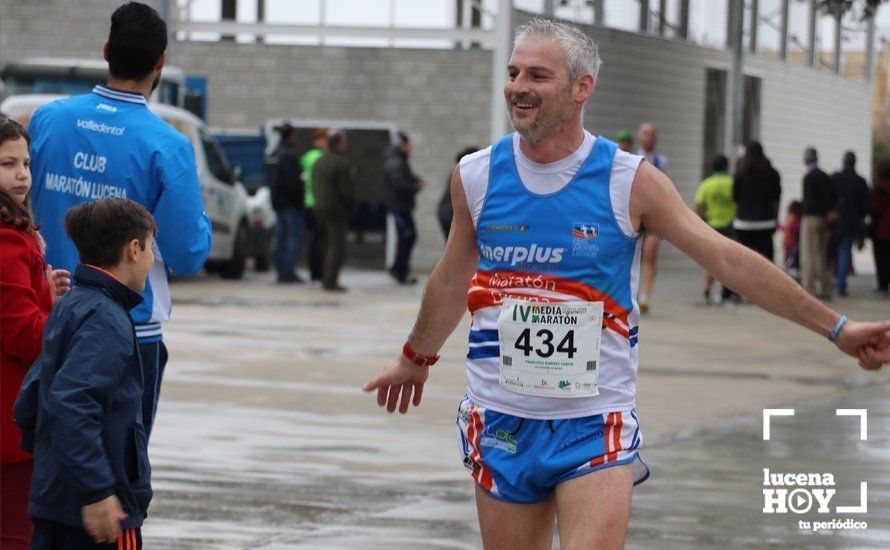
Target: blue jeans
x,y
288,238
407,236
844,262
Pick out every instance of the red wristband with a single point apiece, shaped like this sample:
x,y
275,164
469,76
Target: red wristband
x,y
416,358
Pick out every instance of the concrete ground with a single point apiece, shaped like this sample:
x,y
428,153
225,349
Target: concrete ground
x,y
265,440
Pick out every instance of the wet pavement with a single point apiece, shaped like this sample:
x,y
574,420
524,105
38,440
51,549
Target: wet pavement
x,y
264,439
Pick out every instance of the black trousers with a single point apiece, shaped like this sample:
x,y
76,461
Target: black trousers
x,y
335,248
315,242
52,535
882,263
759,240
407,236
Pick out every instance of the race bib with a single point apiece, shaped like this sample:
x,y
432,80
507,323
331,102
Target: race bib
x,y
550,349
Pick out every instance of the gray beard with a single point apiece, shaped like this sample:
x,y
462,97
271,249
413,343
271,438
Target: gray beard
x,y
541,128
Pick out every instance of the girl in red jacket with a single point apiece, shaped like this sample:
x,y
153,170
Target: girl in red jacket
x,y
28,288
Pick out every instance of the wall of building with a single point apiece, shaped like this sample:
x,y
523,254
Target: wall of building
x,y
441,97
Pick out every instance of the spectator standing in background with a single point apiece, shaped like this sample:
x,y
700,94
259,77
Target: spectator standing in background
x,y
853,204
880,228
714,203
756,189
335,203
647,135
402,186
288,200
791,239
625,140
313,230
819,199
446,210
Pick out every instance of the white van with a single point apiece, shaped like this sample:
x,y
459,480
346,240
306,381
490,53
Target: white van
x,y
225,199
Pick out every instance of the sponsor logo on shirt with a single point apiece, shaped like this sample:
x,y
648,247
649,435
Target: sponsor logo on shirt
x,y
585,231
101,127
583,236
521,255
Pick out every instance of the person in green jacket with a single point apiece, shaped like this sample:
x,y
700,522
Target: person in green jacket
x,y
313,229
714,203
333,184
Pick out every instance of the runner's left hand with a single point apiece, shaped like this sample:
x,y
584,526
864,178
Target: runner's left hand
x,y
868,342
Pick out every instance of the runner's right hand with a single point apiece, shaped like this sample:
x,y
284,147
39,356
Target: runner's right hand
x,y
102,520
399,378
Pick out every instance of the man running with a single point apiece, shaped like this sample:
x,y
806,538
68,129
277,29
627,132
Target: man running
x,y
545,245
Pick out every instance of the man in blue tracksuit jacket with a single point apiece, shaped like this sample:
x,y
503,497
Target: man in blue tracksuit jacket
x,y
109,144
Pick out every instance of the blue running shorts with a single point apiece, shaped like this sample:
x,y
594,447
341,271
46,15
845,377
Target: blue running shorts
x,y
522,460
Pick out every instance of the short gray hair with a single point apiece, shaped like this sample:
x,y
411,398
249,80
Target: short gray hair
x,y
581,52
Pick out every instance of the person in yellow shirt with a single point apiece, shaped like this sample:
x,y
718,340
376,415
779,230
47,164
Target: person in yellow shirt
x,y
714,203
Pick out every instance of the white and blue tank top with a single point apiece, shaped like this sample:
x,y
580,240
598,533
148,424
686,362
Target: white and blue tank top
x,y
575,243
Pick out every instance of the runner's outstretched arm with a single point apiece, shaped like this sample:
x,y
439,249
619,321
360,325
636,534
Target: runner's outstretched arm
x,y
443,305
656,204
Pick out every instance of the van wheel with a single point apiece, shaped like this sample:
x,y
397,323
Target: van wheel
x,y
234,268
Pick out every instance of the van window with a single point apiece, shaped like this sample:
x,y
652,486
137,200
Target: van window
x,y
216,161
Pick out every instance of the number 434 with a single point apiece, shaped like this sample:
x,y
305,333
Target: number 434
x,y
566,345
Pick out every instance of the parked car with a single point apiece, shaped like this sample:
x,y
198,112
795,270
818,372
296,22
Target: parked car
x,y
244,149
225,199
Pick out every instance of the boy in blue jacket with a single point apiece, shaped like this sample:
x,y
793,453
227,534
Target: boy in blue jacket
x,y
80,405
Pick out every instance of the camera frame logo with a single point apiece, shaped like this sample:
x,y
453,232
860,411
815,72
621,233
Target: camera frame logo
x,y
806,492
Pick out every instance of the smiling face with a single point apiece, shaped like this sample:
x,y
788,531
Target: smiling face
x,y
15,168
540,97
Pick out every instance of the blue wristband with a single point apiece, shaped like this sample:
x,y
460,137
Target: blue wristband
x,y
832,336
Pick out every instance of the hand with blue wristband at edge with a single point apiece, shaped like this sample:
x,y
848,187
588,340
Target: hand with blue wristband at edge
x,y
869,342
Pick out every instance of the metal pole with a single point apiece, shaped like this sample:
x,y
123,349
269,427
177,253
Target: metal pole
x,y
392,20
870,49
644,16
662,17
684,19
836,66
549,8
811,32
229,11
730,25
752,46
502,48
322,20
738,79
783,40
260,17
599,15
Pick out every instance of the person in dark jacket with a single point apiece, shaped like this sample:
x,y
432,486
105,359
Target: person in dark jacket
x,y
880,228
756,190
402,186
288,200
79,408
819,198
854,201
335,203
445,212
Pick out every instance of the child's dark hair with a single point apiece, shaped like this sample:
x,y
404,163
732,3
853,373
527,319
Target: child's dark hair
x,y
101,229
11,212
795,208
136,41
